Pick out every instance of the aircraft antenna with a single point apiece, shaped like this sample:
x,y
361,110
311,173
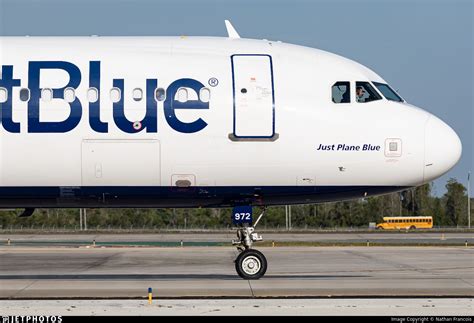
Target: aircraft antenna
x,y
231,30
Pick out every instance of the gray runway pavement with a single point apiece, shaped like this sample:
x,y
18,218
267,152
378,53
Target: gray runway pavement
x,y
123,272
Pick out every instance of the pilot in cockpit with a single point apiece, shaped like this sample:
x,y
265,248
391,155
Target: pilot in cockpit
x,y
360,94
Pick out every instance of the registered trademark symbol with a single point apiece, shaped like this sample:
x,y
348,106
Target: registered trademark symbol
x,y
213,81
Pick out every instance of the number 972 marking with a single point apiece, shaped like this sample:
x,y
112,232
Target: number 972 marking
x,y
244,217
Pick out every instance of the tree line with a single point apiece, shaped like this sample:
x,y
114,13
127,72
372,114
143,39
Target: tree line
x,y
449,210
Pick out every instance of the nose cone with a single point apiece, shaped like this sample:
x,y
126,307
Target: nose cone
x,y
442,148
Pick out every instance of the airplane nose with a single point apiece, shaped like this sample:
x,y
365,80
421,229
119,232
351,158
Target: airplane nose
x,y
443,148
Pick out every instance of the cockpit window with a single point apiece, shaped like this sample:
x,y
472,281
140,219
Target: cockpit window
x,y
387,92
341,92
366,93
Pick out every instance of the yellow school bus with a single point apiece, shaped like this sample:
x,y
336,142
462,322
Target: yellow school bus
x,y
406,222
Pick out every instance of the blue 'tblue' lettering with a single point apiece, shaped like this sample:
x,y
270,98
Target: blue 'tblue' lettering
x,y
171,104
150,121
94,107
34,123
6,110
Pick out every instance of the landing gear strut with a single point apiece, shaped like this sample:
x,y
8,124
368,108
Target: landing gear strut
x,y
250,263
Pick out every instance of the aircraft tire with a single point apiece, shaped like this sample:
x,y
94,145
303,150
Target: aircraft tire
x,y
251,264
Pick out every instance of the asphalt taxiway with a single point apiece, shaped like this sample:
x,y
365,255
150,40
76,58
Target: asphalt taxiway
x,y
203,272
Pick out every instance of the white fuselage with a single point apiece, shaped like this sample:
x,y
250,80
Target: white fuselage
x,y
269,122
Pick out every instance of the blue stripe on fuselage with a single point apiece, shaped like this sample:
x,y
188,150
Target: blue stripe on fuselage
x,y
197,196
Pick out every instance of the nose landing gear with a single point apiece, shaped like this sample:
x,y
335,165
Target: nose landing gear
x,y
250,263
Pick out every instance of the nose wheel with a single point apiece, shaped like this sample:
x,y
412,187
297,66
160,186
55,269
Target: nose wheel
x,y
250,263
